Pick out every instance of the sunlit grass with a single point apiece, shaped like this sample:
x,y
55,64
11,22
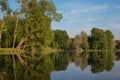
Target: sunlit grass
x,y
10,51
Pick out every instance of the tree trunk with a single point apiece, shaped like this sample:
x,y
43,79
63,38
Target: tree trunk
x,y
16,25
21,59
0,38
2,29
15,33
19,46
18,55
14,67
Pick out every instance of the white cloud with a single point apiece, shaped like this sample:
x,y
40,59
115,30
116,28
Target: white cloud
x,y
94,8
85,9
77,11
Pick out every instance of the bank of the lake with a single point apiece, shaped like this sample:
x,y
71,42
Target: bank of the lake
x,y
10,51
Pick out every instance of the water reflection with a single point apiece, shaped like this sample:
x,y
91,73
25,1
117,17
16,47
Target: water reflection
x,y
117,56
101,61
42,66
60,60
38,68
81,59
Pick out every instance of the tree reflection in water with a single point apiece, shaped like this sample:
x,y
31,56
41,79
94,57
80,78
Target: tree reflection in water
x,y
101,61
41,66
38,68
117,56
81,59
60,60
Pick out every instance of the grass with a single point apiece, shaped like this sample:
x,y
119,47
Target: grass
x,y
10,51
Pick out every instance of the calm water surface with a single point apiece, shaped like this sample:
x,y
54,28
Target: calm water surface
x,y
63,66
75,73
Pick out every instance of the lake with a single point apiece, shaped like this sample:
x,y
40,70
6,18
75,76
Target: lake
x,y
63,66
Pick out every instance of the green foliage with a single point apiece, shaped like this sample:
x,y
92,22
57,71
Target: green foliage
x,y
50,10
30,24
4,5
76,42
6,67
81,41
95,45
110,40
61,39
9,31
102,40
38,24
84,39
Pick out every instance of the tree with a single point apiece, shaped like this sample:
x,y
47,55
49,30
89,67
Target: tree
x,y
29,25
4,9
7,38
38,22
81,41
110,40
77,42
99,40
61,39
36,17
84,39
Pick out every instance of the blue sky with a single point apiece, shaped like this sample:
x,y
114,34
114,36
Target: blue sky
x,y
83,15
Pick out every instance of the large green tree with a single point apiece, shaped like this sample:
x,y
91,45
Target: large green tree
x,y
38,17
29,25
32,23
99,40
110,40
61,39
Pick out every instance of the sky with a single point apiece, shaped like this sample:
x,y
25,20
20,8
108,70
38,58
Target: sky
x,y
83,15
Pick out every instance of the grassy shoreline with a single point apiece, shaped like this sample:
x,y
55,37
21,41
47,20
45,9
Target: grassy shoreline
x,y
44,50
10,51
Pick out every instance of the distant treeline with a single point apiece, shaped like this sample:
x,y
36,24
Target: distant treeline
x,y
98,40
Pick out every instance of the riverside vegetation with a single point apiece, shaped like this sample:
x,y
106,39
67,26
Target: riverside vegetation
x,y
29,28
27,32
